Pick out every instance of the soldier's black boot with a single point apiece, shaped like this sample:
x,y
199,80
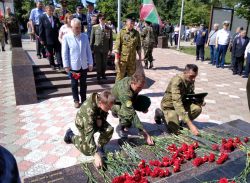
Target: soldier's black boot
x,y
121,133
151,65
3,48
146,65
68,136
159,116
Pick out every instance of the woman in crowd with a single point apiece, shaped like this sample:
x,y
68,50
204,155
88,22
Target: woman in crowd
x,y
66,28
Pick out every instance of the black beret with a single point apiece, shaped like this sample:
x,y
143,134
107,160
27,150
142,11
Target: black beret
x,y
142,103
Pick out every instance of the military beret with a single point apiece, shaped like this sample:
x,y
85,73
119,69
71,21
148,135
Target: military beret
x,y
141,103
131,16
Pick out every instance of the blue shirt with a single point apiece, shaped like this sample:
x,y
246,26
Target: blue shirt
x,y
35,14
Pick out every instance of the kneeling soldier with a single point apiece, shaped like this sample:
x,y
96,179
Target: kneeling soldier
x,y
127,102
91,118
174,105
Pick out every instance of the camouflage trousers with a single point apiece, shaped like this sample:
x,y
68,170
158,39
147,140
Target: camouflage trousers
x,y
148,57
172,118
81,143
127,119
124,69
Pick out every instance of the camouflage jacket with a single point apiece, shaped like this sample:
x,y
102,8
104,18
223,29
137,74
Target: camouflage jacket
x,y
11,23
174,94
125,95
86,120
127,43
147,36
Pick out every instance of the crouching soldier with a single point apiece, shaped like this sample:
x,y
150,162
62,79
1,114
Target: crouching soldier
x,y
174,104
91,118
128,102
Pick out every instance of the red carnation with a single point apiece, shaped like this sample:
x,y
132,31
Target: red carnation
x,y
215,147
177,168
205,158
246,139
211,157
223,180
237,140
198,161
223,157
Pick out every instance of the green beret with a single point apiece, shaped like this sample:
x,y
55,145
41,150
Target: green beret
x,y
131,16
141,103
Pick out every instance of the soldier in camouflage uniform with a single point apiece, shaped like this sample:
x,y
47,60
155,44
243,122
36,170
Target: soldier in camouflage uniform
x,y
127,102
127,44
148,41
11,23
173,106
2,30
91,118
101,43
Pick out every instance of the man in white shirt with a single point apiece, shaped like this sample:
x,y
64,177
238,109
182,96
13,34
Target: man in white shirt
x,y
222,41
77,58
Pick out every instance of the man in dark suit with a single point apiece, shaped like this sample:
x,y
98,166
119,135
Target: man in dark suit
x,y
239,46
200,39
49,27
82,17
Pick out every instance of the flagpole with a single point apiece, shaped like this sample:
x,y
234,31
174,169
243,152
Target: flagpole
x,y
179,36
119,16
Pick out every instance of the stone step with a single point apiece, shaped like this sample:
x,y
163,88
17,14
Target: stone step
x,y
64,76
67,84
60,92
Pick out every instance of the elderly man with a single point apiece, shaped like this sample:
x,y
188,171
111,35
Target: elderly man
x,y
238,51
174,104
211,43
101,42
222,41
35,20
77,58
200,40
128,42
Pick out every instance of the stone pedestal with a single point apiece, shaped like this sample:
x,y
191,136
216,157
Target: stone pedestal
x,y
15,40
162,42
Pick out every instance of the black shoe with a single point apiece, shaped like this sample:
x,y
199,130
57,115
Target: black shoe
x,y
245,76
3,48
98,78
121,133
53,67
104,77
39,57
151,65
234,73
146,66
158,116
68,136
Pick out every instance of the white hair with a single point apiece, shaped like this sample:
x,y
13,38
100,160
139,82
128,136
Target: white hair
x,y
216,25
75,21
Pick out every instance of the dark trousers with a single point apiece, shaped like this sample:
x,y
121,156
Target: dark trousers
x,y
39,47
212,54
200,52
101,63
176,36
6,36
221,53
169,38
238,65
54,49
247,69
83,86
